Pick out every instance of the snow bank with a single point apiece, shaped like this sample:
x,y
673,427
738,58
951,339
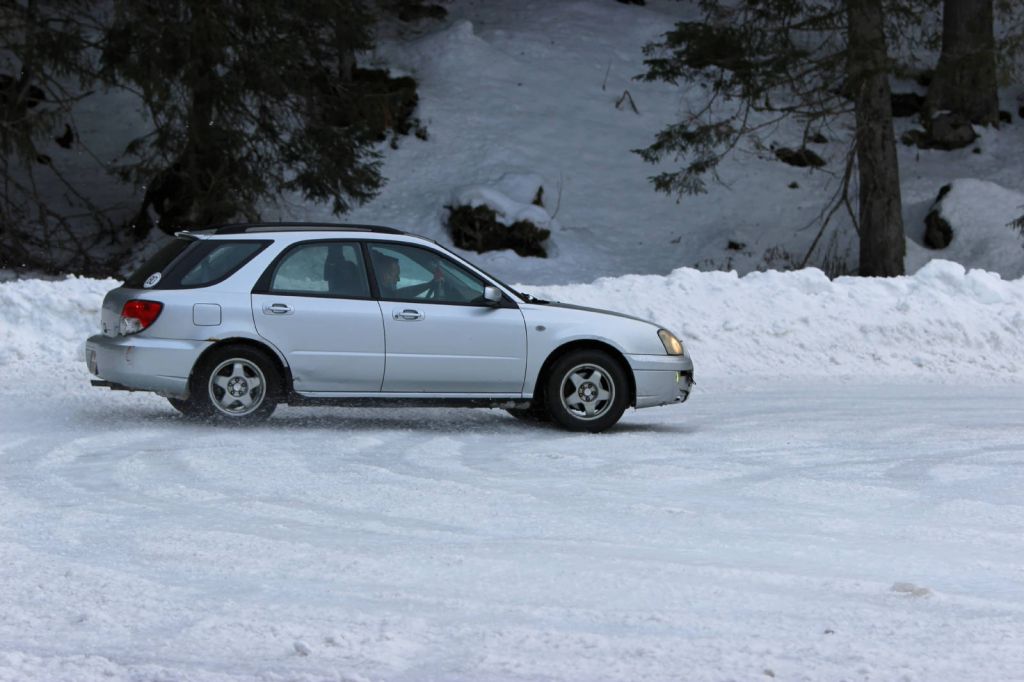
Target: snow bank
x,y
43,324
941,322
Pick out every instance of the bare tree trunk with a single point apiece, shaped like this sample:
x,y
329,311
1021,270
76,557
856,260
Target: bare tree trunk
x,y
965,78
201,160
346,64
346,52
882,245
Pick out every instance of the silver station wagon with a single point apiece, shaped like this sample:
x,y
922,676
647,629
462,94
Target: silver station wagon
x,y
227,323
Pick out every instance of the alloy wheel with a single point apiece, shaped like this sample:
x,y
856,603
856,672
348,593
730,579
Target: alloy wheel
x,y
237,387
587,391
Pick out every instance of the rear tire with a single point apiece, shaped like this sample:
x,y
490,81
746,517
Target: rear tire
x,y
186,407
234,384
587,390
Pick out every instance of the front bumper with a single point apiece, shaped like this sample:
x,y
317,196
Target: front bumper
x,y
144,364
661,379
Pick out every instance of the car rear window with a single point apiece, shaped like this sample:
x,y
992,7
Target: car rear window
x,y
157,263
201,263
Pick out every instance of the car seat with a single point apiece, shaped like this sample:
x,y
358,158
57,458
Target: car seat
x,y
343,277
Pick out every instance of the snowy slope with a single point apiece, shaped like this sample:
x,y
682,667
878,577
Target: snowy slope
x,y
516,93
529,88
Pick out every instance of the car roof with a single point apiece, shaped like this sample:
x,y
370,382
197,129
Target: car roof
x,y
291,229
261,227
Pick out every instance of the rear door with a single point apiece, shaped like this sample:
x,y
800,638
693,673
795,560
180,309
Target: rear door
x,y
314,304
442,337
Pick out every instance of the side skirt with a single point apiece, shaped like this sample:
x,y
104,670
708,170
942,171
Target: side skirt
x,y
407,400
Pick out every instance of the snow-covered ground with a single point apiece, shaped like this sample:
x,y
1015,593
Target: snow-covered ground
x,y
840,500
825,531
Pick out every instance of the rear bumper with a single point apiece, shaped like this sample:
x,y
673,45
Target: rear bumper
x,y
661,379
144,364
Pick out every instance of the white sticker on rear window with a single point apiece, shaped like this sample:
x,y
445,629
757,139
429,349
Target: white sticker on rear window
x,y
152,280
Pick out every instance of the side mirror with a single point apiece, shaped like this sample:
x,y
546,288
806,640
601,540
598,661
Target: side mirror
x,y
492,295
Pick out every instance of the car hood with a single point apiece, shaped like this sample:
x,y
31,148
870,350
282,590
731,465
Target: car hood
x,y
599,311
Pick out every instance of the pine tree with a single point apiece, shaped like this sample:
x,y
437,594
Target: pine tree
x,y
248,99
414,10
47,64
765,62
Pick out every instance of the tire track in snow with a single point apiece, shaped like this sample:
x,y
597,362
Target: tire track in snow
x,y
426,542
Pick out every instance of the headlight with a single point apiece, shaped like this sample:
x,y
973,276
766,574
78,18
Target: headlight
x,y
673,346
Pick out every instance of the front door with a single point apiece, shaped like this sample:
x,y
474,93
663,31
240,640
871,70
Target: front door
x,y
316,307
441,335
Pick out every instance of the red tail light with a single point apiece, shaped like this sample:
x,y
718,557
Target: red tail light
x,y
137,315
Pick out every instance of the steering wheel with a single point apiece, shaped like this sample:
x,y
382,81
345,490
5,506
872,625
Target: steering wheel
x,y
435,290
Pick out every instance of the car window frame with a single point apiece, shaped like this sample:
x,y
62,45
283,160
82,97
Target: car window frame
x,y
262,285
505,302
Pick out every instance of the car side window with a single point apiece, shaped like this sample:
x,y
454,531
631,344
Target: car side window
x,y
221,260
323,269
411,273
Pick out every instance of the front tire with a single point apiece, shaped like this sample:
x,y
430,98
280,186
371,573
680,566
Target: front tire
x,y
536,413
587,390
234,384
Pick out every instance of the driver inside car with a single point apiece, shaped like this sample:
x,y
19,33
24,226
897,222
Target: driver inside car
x,y
390,272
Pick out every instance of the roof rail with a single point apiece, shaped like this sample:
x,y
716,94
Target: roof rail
x,y
290,226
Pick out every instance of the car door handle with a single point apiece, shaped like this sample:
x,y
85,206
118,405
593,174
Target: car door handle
x,y
407,314
278,309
